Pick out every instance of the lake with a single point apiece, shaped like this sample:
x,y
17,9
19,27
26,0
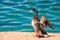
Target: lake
x,y
16,15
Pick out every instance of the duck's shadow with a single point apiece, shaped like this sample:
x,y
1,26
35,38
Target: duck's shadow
x,y
47,36
51,35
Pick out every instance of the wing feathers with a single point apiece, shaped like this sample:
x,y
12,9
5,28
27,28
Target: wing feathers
x,y
40,27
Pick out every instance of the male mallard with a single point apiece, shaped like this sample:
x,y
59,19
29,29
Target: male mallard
x,y
39,29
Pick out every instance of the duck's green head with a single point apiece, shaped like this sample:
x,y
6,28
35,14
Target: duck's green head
x,y
35,10
36,13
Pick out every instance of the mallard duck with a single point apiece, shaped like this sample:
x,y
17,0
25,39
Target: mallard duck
x,y
38,28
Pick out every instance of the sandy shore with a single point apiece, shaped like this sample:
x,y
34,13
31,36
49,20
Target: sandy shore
x,y
26,36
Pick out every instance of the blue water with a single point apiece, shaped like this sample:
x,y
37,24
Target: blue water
x,y
16,15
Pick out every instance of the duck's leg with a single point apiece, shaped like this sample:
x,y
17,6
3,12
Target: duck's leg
x,y
38,33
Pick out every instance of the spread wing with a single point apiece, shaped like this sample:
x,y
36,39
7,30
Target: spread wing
x,y
46,22
49,24
40,27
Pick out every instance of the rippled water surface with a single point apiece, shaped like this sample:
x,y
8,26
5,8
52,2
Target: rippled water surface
x,y
16,15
